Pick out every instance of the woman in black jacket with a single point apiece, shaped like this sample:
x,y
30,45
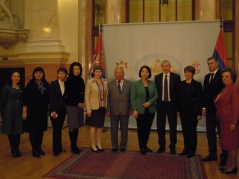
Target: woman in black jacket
x,y
57,108
75,89
190,110
35,109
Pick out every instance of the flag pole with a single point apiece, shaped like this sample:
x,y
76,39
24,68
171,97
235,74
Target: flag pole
x,y
221,23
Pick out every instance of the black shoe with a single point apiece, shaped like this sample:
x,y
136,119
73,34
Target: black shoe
x,y
18,153
148,149
122,150
35,153
40,151
173,151
114,150
183,153
101,150
234,171
209,158
97,151
143,151
190,155
160,150
14,154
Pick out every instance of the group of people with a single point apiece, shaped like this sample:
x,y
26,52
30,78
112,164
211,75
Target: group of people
x,y
167,95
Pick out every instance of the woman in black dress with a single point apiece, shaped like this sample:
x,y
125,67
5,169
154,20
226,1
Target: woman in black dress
x,y
12,113
35,109
75,90
57,108
190,110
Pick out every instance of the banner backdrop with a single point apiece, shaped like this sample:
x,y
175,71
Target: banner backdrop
x,y
183,43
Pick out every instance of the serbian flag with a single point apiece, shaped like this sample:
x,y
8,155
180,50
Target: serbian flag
x,y
220,51
98,57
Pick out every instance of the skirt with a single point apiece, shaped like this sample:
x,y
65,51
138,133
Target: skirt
x,y
75,117
97,118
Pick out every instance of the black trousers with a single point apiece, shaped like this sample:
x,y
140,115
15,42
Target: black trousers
x,y
189,127
57,125
144,123
169,110
212,123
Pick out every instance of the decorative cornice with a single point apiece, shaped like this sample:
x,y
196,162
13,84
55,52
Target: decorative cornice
x,y
9,37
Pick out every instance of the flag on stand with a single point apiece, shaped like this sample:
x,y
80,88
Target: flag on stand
x,y
220,51
98,57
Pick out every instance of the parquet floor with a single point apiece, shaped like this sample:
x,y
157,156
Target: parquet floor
x,y
28,167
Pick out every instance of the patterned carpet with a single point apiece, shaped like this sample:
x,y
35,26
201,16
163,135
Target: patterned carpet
x,y
128,165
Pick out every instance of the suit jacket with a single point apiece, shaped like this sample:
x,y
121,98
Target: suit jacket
x,y
228,105
189,97
174,83
92,101
57,100
119,102
210,91
138,96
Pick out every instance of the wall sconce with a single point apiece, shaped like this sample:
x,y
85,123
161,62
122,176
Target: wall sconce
x,y
9,37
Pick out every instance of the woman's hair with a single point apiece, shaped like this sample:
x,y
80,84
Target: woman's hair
x,y
38,69
190,69
147,68
10,78
232,72
71,70
62,69
98,67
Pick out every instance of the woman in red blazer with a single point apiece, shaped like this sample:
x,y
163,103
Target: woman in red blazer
x,y
227,105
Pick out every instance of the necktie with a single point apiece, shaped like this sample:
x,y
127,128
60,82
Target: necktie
x,y
211,77
119,87
166,89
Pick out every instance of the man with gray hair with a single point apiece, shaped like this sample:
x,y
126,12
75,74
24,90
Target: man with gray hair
x,y
119,109
167,84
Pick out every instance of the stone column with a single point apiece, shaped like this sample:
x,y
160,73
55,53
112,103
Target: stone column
x,y
45,27
205,10
114,11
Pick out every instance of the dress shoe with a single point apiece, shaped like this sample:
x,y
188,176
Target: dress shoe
x,y
114,150
40,151
35,153
148,149
160,150
143,151
183,153
14,154
209,158
234,171
97,151
122,150
173,151
100,149
18,153
190,155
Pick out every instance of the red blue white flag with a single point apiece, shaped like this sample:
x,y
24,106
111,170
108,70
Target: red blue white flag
x,y
220,51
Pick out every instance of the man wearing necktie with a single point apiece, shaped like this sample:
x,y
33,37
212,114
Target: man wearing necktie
x,y
211,88
119,109
167,84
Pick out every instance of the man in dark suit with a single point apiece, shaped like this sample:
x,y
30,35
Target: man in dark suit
x,y
119,108
211,88
167,84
